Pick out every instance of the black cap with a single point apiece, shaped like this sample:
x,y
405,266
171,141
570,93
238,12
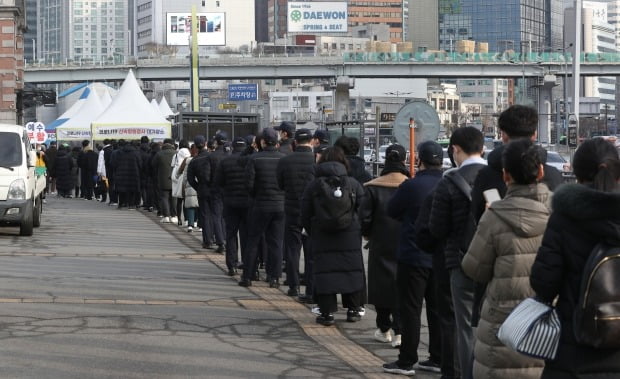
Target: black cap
x,y
270,136
287,127
199,140
303,134
321,135
221,137
239,142
430,152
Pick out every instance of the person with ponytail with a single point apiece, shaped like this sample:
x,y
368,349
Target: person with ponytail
x,y
501,255
584,214
383,232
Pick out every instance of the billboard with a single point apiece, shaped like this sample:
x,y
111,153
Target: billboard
x,y
317,17
211,29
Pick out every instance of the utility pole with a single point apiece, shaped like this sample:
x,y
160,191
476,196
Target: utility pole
x,y
577,65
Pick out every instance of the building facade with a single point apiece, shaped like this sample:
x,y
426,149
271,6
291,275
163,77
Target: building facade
x,y
151,36
12,28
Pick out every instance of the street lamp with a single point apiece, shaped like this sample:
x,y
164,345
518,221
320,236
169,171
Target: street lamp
x,y
565,92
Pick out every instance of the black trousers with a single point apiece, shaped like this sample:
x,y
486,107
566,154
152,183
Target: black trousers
x,y
415,285
217,217
388,318
204,218
292,249
236,223
328,303
308,265
445,313
271,224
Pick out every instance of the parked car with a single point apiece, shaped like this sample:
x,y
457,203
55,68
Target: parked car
x,y
556,160
447,164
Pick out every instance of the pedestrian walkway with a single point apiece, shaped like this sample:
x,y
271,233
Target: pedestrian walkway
x,y
90,264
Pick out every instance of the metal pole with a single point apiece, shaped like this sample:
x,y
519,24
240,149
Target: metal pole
x,y
411,147
577,64
566,110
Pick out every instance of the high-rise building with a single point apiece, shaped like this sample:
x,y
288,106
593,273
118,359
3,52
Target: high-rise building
x,y
422,24
153,18
30,36
519,25
360,12
95,30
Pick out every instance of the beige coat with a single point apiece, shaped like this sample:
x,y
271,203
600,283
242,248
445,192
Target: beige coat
x,y
501,254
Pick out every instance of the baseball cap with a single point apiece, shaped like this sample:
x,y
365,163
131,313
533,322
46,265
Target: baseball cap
x,y
430,152
239,142
395,153
287,127
199,140
321,135
221,137
270,136
303,134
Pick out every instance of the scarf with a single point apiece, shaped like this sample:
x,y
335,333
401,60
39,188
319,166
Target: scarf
x,y
395,167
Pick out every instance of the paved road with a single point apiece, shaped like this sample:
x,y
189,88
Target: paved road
x,y
104,293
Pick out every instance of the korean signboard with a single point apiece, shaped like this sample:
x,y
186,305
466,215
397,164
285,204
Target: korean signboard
x,y
244,91
317,17
211,29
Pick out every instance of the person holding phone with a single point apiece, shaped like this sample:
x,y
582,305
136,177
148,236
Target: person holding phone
x,y
501,255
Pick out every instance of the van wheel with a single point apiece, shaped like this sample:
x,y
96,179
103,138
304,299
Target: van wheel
x,y
26,226
36,212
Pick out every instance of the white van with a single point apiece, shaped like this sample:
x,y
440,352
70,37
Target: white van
x,y
21,189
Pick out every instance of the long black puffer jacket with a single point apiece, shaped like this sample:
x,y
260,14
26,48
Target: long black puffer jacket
x,y
338,261
294,172
199,174
262,180
127,168
581,218
231,178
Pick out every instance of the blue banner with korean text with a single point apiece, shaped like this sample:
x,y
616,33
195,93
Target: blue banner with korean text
x,y
240,92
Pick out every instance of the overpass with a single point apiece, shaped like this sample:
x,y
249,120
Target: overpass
x,y
358,65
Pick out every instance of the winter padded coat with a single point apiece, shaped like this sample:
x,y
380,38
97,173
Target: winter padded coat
x,y
501,254
383,233
581,218
338,261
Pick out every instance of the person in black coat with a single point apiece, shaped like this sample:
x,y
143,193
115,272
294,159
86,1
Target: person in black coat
x,y
199,177
338,260
267,210
449,218
584,214
62,167
230,178
518,121
357,165
216,201
287,131
294,172
414,265
127,167
87,161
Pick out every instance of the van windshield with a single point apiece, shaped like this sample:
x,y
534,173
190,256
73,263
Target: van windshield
x,y
10,153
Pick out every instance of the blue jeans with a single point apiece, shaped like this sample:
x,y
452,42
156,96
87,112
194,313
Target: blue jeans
x,y
463,301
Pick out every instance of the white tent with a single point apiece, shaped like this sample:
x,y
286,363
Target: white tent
x,y
130,116
69,112
106,99
155,105
77,127
165,108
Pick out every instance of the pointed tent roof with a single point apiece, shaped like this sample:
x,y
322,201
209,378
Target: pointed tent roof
x,y
155,105
78,126
106,99
74,109
165,108
130,115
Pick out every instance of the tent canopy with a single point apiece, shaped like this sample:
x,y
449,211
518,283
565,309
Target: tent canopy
x,y
77,127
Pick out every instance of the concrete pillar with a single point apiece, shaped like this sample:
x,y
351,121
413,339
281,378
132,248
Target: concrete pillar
x,y
544,108
341,98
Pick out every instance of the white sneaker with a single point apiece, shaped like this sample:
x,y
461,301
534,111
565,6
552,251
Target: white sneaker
x,y
195,224
361,311
189,229
174,220
383,337
396,341
316,310
165,220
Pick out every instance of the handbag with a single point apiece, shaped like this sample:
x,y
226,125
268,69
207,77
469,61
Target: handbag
x,y
532,328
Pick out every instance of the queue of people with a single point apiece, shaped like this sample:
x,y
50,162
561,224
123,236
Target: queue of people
x,y
434,239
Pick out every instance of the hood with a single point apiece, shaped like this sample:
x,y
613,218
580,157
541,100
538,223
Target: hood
x,y
167,146
391,180
331,168
596,211
525,209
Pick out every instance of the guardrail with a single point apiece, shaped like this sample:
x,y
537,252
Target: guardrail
x,y
349,57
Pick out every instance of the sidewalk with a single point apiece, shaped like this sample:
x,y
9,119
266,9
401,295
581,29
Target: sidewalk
x,y
351,342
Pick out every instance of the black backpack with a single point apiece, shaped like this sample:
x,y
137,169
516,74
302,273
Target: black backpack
x,y
597,314
334,203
